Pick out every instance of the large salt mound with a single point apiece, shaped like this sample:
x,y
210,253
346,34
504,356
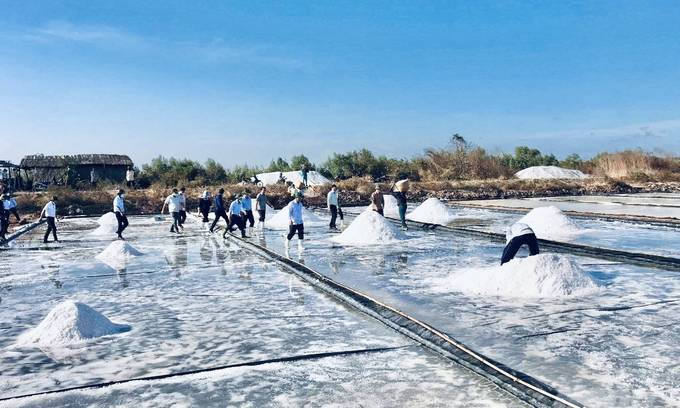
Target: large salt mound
x,y
432,211
544,275
551,223
391,208
369,228
70,322
281,221
118,254
108,219
549,172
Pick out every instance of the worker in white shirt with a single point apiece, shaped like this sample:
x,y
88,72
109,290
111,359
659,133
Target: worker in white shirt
x,y
130,177
236,218
247,204
517,235
172,202
119,210
182,207
50,211
295,222
332,203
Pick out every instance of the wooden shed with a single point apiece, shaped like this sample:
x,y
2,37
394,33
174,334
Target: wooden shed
x,y
71,169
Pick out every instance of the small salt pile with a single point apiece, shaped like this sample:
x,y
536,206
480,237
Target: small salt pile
x,y
551,223
369,228
108,225
118,254
432,211
281,221
391,209
108,219
70,322
544,275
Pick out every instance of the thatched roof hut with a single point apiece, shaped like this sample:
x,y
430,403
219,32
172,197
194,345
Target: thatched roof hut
x,y
70,169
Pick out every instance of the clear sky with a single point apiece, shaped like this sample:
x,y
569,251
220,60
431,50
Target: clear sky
x,y
248,81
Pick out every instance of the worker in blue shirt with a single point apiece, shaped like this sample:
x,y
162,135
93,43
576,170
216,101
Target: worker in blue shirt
x,y
247,205
235,217
295,222
220,210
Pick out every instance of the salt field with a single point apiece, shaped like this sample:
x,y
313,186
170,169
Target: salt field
x,y
602,333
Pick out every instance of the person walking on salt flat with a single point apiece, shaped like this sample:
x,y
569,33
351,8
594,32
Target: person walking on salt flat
x,y
377,200
247,204
220,209
13,207
235,217
332,203
399,192
173,203
296,224
182,208
119,210
50,211
204,207
4,216
517,235
261,203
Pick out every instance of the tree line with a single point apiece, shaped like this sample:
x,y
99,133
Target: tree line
x,y
459,160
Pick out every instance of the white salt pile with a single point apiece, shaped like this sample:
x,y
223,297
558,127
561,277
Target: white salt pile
x,y
108,219
313,178
70,322
391,208
118,254
105,229
544,275
369,228
280,219
551,223
432,211
549,172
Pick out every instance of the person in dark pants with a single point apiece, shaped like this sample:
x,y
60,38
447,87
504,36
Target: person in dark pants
x,y
377,200
296,223
182,207
517,235
172,201
4,217
236,218
247,204
50,211
13,207
332,203
94,177
119,210
204,206
401,202
261,203
220,210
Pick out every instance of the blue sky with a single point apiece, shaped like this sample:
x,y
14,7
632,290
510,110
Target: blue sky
x,y
246,82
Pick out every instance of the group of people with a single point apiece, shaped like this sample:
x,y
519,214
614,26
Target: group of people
x,y
239,215
8,206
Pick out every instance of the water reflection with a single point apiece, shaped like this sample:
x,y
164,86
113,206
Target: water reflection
x,y
52,271
122,278
176,256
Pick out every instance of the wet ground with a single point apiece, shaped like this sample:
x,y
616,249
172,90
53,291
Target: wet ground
x,y
194,301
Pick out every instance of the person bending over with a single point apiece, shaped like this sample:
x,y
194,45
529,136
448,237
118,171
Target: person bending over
x,y
517,235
